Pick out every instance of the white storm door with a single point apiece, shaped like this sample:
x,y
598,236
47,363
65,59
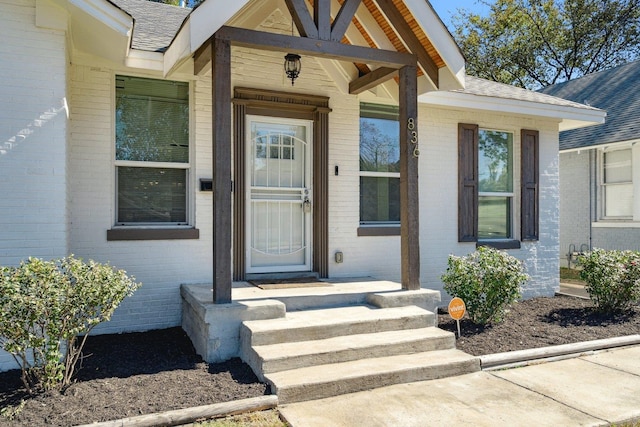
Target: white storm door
x,y
278,195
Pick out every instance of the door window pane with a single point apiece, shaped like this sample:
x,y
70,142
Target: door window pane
x,y
279,155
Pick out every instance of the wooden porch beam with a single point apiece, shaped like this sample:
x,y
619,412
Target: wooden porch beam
x,y
302,18
343,19
372,79
409,202
408,36
202,58
221,149
322,18
318,48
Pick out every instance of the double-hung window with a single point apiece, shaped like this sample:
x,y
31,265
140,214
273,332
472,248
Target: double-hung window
x,y
152,152
495,173
379,165
617,184
486,188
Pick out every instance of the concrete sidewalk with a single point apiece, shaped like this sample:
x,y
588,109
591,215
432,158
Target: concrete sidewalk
x,y
592,390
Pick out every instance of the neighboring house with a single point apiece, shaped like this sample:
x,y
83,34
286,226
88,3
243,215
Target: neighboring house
x,y
600,165
118,118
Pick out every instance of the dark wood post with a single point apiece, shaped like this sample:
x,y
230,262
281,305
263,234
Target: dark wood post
x,y
221,150
320,192
409,203
239,188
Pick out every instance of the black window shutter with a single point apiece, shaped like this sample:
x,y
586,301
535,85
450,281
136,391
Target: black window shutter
x,y
530,182
467,182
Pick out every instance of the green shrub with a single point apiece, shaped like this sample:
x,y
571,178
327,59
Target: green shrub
x,y
612,277
47,309
487,280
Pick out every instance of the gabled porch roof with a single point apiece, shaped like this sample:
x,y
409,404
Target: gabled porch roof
x,y
393,25
131,32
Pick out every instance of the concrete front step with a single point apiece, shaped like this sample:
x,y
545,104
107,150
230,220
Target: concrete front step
x,y
280,357
317,382
327,323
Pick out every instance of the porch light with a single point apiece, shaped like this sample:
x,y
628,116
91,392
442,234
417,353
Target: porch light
x,y
292,66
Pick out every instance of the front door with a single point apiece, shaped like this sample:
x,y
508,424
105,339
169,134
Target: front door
x,y
278,195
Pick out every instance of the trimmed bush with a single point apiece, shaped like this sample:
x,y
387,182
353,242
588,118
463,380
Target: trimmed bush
x,y
487,280
612,277
48,308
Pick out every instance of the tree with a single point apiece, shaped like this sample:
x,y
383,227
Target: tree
x,y
536,43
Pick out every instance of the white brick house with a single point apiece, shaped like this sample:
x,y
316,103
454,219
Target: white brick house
x,y
72,183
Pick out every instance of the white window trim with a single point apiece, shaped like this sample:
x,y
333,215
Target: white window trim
x,y
616,224
380,174
627,219
190,176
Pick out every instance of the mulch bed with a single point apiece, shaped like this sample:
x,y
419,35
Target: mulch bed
x,y
542,322
126,375
133,374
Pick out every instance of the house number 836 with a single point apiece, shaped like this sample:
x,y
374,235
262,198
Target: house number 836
x,y
413,134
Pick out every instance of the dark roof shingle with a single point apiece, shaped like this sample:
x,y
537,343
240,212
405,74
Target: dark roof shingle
x,y
155,24
483,87
617,91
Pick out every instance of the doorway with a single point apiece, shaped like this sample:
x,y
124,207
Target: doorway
x,y
279,194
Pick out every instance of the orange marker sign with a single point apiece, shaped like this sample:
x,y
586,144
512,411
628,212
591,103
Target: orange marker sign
x,y
456,311
457,308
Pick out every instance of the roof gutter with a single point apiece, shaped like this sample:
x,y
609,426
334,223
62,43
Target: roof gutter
x,y
567,116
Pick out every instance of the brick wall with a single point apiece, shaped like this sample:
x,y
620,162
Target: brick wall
x,y
161,266
32,137
439,189
33,127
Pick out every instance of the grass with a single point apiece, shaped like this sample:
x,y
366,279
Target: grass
x,y
571,275
251,419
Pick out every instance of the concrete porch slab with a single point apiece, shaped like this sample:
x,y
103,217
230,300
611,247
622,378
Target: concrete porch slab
x,y
214,329
341,292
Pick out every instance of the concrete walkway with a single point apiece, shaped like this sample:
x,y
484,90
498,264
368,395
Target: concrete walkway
x,y
592,390
573,290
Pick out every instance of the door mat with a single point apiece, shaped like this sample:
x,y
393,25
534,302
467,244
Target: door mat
x,y
297,282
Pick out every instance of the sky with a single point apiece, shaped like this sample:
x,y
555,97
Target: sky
x,y
447,8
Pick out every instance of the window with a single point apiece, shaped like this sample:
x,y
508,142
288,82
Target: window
x,y
486,186
379,165
617,186
495,173
152,151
